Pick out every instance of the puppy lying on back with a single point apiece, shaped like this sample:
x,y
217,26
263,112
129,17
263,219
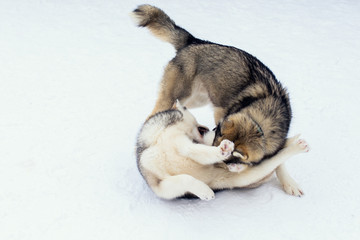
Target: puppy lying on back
x,y
251,107
175,157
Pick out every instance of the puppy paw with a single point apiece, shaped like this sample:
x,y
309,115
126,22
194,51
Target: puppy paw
x,y
298,145
292,140
206,194
226,148
236,167
302,145
292,188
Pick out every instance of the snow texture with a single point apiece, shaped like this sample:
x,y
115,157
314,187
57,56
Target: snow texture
x,y
77,79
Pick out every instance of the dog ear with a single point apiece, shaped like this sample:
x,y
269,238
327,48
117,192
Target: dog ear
x,y
176,105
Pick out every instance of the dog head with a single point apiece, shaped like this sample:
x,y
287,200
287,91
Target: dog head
x,y
192,127
247,136
257,134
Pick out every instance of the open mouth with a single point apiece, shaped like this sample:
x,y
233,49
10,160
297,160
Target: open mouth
x,y
202,130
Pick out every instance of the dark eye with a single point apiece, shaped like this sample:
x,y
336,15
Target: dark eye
x,y
185,108
260,131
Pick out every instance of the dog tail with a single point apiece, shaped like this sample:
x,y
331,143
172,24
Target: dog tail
x,y
162,26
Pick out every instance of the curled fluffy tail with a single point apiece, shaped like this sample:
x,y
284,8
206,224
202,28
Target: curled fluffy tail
x,y
162,26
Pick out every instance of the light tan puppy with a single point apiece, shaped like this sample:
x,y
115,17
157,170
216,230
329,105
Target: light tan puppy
x,y
175,158
251,107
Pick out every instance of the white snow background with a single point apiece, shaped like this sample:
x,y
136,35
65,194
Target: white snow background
x,y
77,79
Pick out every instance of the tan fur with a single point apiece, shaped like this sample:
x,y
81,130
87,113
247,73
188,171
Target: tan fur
x,y
261,181
173,165
219,114
243,138
241,89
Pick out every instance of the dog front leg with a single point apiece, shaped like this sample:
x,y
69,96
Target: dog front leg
x,y
173,86
255,174
204,154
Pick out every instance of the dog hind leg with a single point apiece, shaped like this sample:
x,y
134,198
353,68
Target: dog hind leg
x,y
255,174
265,179
219,114
176,186
172,87
288,183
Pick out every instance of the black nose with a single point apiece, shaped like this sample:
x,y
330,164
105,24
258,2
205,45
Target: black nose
x,y
203,130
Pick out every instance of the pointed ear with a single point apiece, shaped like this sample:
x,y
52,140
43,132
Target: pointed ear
x,y
176,105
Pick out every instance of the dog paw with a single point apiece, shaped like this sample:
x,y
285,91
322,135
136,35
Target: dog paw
x,y
236,167
292,140
292,188
226,148
302,145
206,195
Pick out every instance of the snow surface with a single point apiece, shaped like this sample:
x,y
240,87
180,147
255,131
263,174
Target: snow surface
x,y
77,79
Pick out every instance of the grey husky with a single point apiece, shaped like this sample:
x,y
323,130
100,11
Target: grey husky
x,y
175,157
251,107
